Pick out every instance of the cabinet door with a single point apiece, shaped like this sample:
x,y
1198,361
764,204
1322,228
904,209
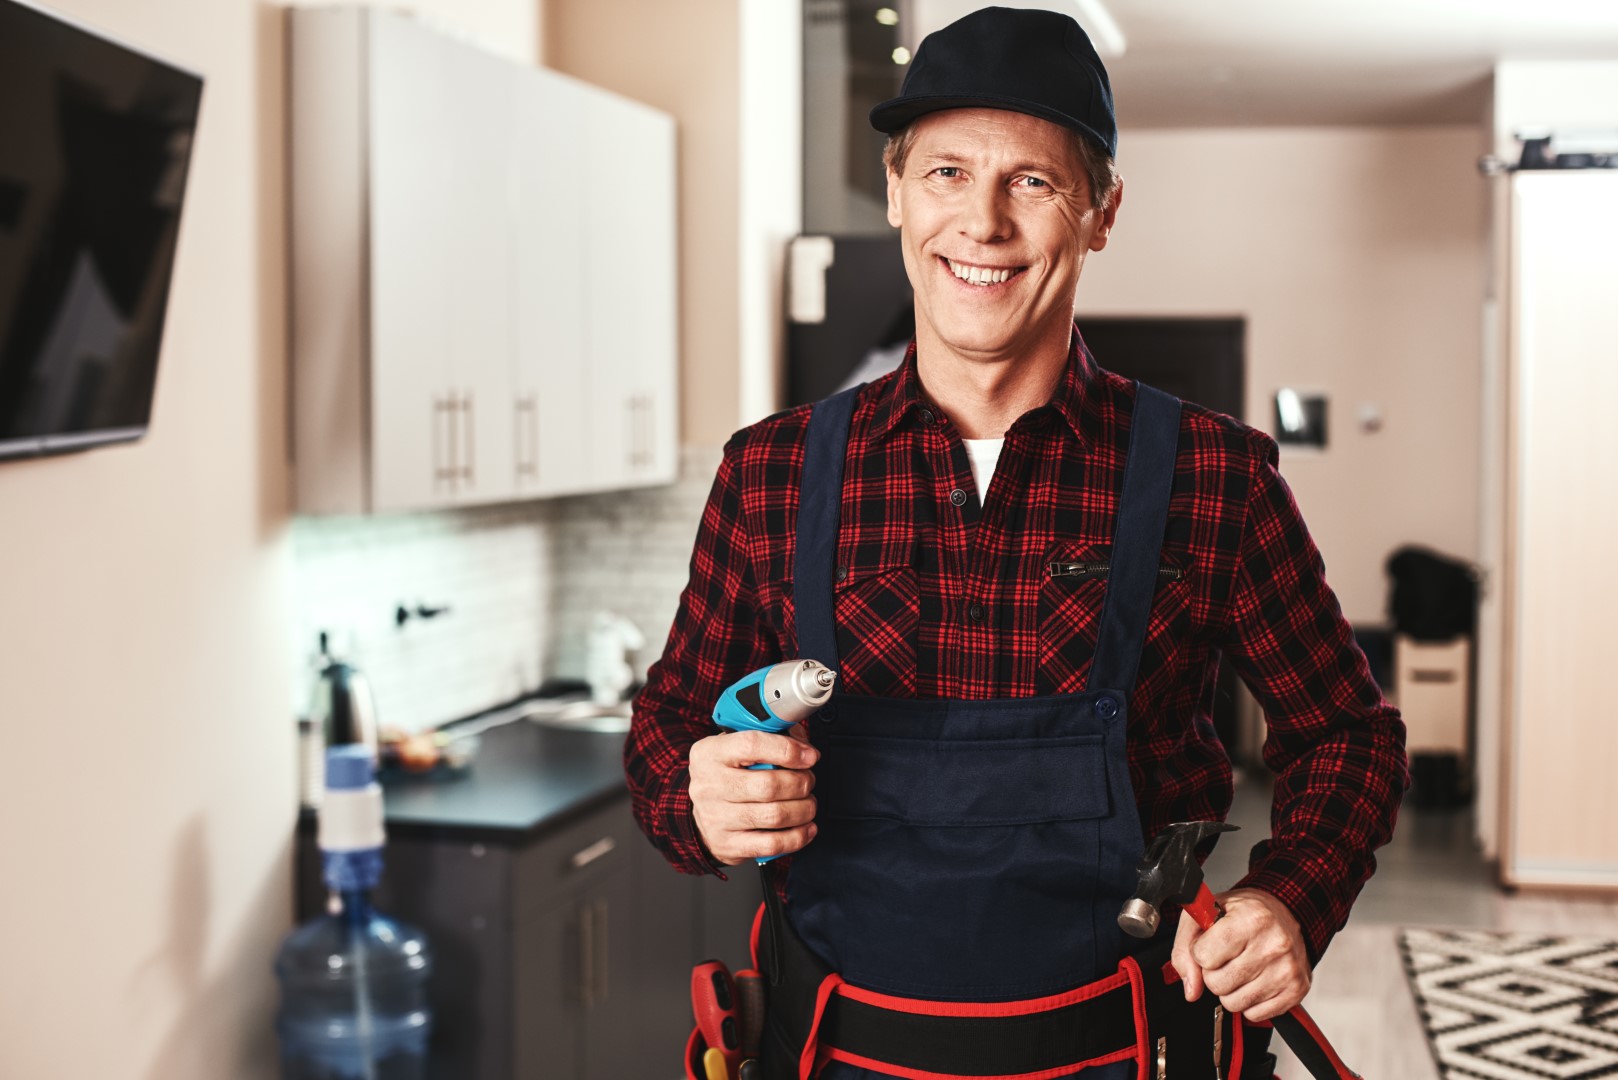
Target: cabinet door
x,y
666,946
412,90
548,998
553,430
630,289
612,1045
658,305
480,208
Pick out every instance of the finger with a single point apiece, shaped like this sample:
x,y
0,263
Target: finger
x,y
760,845
1219,945
1185,935
739,749
1272,1007
1284,985
1240,994
774,815
769,785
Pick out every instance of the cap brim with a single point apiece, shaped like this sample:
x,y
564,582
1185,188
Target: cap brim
x,y
895,113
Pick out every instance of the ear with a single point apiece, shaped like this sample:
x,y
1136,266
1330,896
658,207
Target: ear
x,y
1109,217
894,217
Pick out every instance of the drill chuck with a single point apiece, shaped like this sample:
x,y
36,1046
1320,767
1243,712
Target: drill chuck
x,y
797,689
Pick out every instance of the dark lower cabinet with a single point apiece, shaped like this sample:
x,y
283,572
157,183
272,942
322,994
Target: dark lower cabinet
x,y
564,954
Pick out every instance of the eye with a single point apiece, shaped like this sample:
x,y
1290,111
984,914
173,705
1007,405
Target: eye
x,y
1033,182
947,172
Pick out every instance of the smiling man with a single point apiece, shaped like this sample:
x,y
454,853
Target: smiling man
x,y
1025,571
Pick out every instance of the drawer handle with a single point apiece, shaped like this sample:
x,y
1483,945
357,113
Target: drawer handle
x,y
586,856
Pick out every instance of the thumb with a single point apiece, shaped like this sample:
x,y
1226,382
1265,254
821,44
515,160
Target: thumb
x,y
1190,971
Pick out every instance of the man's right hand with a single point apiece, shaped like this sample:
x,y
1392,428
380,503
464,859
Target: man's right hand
x,y
745,813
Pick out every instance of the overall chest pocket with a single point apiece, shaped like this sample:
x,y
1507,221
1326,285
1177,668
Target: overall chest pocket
x,y
1072,593
878,610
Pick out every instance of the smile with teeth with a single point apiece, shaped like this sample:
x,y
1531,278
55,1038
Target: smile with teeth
x,y
981,275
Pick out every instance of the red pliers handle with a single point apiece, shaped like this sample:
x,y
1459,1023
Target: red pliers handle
x,y
1295,1025
713,1003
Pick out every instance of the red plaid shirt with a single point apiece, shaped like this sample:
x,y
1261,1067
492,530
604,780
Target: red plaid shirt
x,y
937,597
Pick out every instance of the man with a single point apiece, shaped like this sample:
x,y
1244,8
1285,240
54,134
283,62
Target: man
x,y
1026,634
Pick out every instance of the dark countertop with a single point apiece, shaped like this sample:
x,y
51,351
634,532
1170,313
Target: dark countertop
x,y
526,777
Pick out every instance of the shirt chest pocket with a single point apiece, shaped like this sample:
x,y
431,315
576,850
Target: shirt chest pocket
x,y
878,610
1072,592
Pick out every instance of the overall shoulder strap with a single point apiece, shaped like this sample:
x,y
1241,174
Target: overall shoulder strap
x,y
820,495
1137,540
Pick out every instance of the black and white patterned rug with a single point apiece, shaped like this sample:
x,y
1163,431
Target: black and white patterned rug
x,y
1515,1006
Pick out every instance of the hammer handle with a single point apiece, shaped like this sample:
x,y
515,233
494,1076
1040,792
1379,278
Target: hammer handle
x,y
1296,1026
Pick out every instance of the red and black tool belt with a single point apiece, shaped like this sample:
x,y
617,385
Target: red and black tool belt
x,y
1137,1014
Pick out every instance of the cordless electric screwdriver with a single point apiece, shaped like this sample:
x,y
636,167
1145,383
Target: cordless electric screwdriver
x,y
773,699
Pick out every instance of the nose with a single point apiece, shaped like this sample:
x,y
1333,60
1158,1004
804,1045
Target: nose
x,y
984,217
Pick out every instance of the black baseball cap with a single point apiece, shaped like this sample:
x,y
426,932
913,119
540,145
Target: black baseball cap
x,y
1029,61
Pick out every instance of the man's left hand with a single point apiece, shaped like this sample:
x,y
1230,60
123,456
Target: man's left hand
x,y
1253,959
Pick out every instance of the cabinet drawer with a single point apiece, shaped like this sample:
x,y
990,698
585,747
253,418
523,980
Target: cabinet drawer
x,y
578,854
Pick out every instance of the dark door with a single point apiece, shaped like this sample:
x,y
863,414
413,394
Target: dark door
x,y
1200,360
1197,360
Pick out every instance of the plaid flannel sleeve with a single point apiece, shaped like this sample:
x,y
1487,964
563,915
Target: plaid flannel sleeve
x,y
716,638
1336,746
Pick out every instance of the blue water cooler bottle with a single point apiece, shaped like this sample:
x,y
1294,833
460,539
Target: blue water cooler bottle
x,y
353,982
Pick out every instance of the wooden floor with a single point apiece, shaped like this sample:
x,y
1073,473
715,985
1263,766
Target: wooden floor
x,y
1430,875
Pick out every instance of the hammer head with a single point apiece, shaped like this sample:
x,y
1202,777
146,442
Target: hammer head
x,y
1167,874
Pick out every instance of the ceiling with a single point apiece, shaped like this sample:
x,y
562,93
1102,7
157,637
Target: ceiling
x,y
1206,63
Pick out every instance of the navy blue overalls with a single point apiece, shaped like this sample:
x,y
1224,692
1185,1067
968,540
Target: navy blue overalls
x,y
976,850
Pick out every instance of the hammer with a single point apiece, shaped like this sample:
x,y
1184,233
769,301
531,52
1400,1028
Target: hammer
x,y
1170,874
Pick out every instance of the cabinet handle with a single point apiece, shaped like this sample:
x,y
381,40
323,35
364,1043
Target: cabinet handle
x,y
469,470
438,444
600,963
629,404
533,435
640,430
587,954
452,411
651,431
517,406
585,856
527,465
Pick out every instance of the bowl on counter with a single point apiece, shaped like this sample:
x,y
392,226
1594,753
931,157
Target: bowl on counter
x,y
428,755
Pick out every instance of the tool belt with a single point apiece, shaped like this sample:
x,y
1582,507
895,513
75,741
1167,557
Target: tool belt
x,y
1138,1014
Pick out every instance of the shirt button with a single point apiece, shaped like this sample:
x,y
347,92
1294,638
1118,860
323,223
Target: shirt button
x,y
926,416
1106,707
958,497
842,573
975,612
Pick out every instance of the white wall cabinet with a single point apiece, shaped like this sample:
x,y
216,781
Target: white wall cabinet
x,y
631,316
483,279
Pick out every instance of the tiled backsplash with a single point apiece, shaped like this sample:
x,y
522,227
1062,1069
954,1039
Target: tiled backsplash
x,y
491,567
521,582
629,553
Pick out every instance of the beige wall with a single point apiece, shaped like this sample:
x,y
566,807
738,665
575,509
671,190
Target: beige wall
x,y
149,795
149,790
1357,257
681,58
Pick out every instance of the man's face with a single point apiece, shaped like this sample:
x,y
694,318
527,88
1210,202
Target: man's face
x,y
995,219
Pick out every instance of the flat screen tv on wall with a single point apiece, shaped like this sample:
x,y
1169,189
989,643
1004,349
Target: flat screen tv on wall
x,y
95,144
